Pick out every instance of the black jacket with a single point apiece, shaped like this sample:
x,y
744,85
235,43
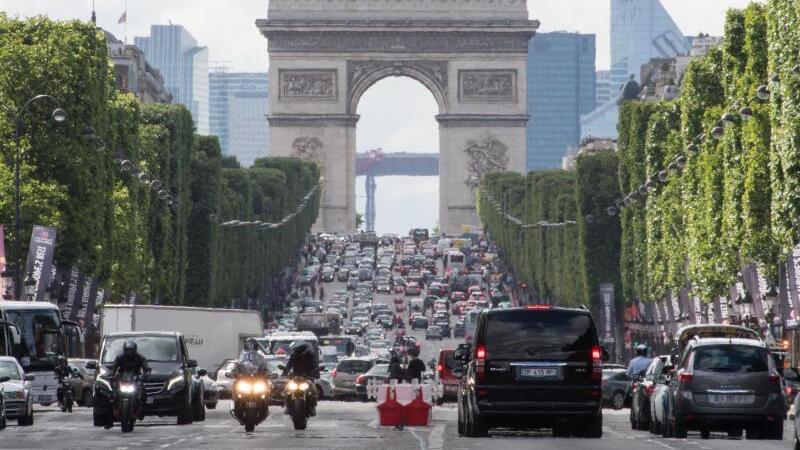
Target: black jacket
x,y
130,363
396,371
415,369
304,364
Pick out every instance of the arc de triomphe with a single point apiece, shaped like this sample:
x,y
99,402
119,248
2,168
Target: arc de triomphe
x,y
471,54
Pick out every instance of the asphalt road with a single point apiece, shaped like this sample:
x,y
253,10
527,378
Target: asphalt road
x,y
340,425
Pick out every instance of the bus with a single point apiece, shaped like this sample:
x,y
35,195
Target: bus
x,y
44,338
454,262
420,235
321,324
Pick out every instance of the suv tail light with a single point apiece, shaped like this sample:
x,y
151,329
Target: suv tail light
x,y
440,368
685,377
360,379
649,389
597,363
480,363
333,373
774,378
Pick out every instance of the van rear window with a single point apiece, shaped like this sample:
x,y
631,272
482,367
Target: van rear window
x,y
730,359
528,334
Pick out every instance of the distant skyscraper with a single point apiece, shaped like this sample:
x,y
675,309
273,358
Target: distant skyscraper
x,y
640,30
603,87
184,66
238,114
561,87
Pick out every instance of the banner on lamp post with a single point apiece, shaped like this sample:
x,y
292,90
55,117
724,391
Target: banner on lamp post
x,y
40,259
793,289
87,300
73,294
609,313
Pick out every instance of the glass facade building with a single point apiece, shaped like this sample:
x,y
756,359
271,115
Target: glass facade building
x,y
238,114
561,87
184,65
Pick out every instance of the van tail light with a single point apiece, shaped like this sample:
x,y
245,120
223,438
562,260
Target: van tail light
x,y
360,379
597,363
774,379
649,389
480,363
685,377
440,368
333,373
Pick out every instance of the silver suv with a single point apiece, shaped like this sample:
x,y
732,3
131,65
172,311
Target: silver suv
x,y
729,385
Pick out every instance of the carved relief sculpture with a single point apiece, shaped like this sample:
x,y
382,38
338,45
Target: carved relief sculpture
x,y
485,155
487,85
309,148
308,85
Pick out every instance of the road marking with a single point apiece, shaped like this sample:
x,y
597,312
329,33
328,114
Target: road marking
x,y
421,441
652,441
436,438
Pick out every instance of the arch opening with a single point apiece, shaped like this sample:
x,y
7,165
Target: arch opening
x,y
398,115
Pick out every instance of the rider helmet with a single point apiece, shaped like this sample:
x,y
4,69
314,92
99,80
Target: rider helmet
x,y
641,350
298,347
129,348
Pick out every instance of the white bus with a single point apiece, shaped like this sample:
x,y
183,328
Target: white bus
x,y
44,336
454,262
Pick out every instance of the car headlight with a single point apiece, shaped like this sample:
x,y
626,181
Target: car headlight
x,y
244,387
292,386
260,387
175,381
127,388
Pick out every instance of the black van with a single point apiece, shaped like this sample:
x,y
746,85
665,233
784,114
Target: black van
x,y
538,366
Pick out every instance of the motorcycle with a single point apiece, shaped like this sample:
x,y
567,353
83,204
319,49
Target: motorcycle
x,y
64,393
127,400
251,397
299,401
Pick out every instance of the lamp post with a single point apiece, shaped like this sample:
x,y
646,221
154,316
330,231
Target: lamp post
x,y
58,116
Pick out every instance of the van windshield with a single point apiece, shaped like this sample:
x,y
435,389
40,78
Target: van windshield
x,y
526,334
730,359
153,348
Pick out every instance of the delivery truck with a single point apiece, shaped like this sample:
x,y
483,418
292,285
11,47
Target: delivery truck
x,y
212,335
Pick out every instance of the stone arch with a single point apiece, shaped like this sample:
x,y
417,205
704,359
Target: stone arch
x,y
364,74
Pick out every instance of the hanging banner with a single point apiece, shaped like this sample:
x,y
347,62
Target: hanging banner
x,y
87,298
73,294
40,259
56,278
609,313
793,289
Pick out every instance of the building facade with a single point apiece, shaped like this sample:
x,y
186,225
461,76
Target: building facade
x,y
640,30
603,87
184,66
238,114
561,87
134,74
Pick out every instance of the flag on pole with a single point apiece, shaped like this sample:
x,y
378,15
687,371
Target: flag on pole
x,y
123,18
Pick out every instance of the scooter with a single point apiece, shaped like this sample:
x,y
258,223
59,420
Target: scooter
x,y
251,397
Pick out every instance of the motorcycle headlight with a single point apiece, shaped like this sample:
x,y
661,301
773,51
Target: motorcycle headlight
x,y
127,388
260,387
174,382
244,387
303,386
292,386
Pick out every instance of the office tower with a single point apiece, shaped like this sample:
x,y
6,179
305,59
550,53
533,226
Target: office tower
x,y
238,114
561,87
184,65
603,87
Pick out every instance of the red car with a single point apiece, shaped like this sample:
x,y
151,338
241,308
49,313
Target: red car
x,y
444,374
457,296
399,289
459,308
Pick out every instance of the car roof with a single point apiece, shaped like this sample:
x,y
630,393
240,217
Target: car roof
x,y
144,333
702,342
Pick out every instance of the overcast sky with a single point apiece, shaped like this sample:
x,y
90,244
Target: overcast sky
x,y
397,113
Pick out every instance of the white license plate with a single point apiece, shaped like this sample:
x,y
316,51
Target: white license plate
x,y
731,399
539,373
150,400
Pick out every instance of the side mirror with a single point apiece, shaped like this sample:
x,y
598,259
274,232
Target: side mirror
x,y
29,377
91,365
790,375
191,364
202,372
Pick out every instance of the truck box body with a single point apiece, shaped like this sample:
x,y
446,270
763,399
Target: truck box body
x,y
212,335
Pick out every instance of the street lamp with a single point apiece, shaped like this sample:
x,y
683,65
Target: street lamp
x,y
30,286
58,116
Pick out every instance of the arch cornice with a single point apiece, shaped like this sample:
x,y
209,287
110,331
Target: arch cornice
x,y
363,74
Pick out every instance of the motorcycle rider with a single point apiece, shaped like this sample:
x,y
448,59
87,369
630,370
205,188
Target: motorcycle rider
x,y
130,361
303,362
638,365
252,354
416,367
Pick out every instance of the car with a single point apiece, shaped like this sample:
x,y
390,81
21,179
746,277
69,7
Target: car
x,y
353,330
346,373
537,366
210,392
225,382
616,388
659,399
328,274
458,329
445,366
81,381
17,395
642,390
734,386
352,283
171,389
434,332
412,289
343,275
419,323
324,383
383,287
379,373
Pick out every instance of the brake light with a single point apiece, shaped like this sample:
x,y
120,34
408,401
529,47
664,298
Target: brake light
x,y
649,389
597,363
480,363
333,372
774,378
440,368
789,390
685,377
539,307
360,379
